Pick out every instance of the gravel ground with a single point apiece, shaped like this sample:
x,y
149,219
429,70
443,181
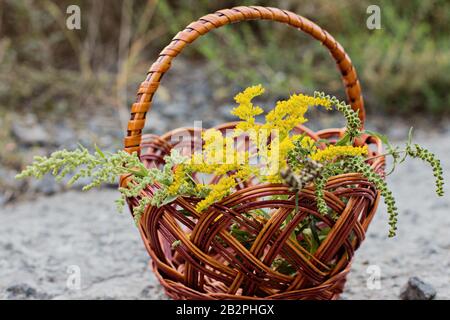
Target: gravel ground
x,y
45,243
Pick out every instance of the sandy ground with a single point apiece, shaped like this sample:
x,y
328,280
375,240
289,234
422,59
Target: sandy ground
x,y
45,244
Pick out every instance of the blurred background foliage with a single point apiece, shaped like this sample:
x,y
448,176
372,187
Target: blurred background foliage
x,y
404,67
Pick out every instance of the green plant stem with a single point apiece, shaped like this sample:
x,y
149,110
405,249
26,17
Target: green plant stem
x,y
385,154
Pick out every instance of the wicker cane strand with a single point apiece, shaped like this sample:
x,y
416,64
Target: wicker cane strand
x,y
208,262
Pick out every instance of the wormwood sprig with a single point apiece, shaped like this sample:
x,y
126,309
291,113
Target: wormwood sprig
x,y
104,168
100,167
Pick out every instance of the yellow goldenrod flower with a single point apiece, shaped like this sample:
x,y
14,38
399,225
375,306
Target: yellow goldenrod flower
x,y
179,177
218,192
246,111
306,142
290,113
332,152
271,142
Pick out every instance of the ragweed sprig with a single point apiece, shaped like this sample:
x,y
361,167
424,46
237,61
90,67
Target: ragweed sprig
x,y
353,126
418,152
414,151
329,170
359,164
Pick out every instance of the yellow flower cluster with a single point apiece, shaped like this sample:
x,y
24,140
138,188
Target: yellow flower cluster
x,y
223,188
333,152
278,152
219,155
179,178
272,142
286,115
245,110
307,143
290,113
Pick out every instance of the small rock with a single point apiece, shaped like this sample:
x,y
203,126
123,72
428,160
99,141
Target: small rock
x,y
152,292
431,250
221,93
398,131
173,110
9,184
163,95
156,123
29,132
395,260
65,137
147,291
24,291
416,289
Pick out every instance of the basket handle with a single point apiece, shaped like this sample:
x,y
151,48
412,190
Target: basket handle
x,y
220,18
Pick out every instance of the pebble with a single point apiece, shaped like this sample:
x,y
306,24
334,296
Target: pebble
x,y
29,132
65,137
24,291
224,112
9,185
157,123
172,110
416,289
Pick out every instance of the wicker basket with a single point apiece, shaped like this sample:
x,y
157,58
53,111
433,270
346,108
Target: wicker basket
x,y
210,263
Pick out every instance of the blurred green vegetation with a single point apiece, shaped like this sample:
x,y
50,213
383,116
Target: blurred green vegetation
x,y
404,67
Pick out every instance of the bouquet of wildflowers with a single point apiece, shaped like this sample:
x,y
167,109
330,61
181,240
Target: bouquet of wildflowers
x,y
276,152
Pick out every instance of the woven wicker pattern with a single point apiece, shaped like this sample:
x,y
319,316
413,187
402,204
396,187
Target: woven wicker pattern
x,y
208,262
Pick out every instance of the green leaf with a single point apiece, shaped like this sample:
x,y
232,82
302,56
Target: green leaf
x,y
312,226
283,266
345,140
380,136
169,199
323,233
262,213
410,135
100,152
176,244
324,141
307,235
240,235
185,212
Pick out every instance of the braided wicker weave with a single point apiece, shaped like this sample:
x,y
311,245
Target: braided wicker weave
x,y
209,263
